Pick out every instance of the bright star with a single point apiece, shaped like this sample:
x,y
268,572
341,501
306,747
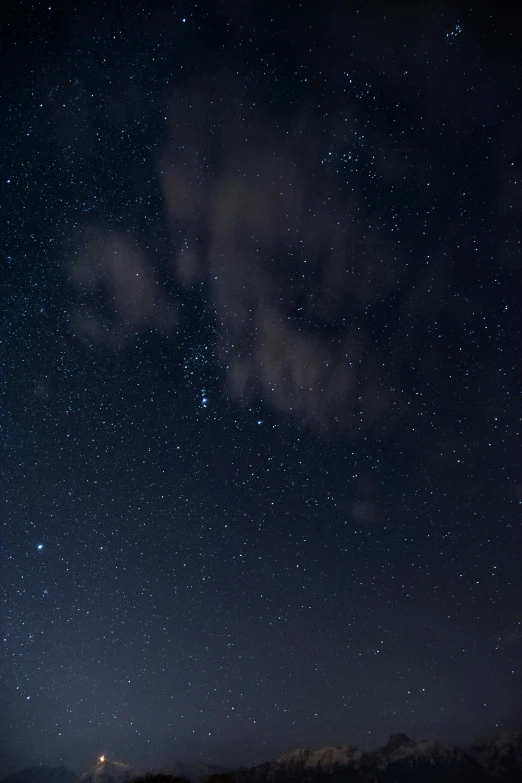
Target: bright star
x,y
40,546
102,758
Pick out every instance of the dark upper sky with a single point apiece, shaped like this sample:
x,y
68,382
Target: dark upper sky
x,y
260,427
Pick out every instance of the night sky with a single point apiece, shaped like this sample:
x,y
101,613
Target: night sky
x,y
260,374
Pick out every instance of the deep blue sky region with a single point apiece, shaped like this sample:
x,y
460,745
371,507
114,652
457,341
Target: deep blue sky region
x,y
259,400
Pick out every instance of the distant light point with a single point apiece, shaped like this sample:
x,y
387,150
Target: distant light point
x,y
40,547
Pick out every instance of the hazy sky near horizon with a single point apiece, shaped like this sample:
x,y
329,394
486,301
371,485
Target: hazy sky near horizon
x,y
260,391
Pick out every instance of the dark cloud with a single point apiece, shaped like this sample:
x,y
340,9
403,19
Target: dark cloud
x,y
121,296
290,258
313,229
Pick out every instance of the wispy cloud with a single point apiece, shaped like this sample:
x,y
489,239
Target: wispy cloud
x,y
119,295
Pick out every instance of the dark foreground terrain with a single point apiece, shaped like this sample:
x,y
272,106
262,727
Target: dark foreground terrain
x,y
401,760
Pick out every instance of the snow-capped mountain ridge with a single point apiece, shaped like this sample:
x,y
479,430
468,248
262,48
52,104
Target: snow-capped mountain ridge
x,y
109,772
105,771
501,756
401,760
